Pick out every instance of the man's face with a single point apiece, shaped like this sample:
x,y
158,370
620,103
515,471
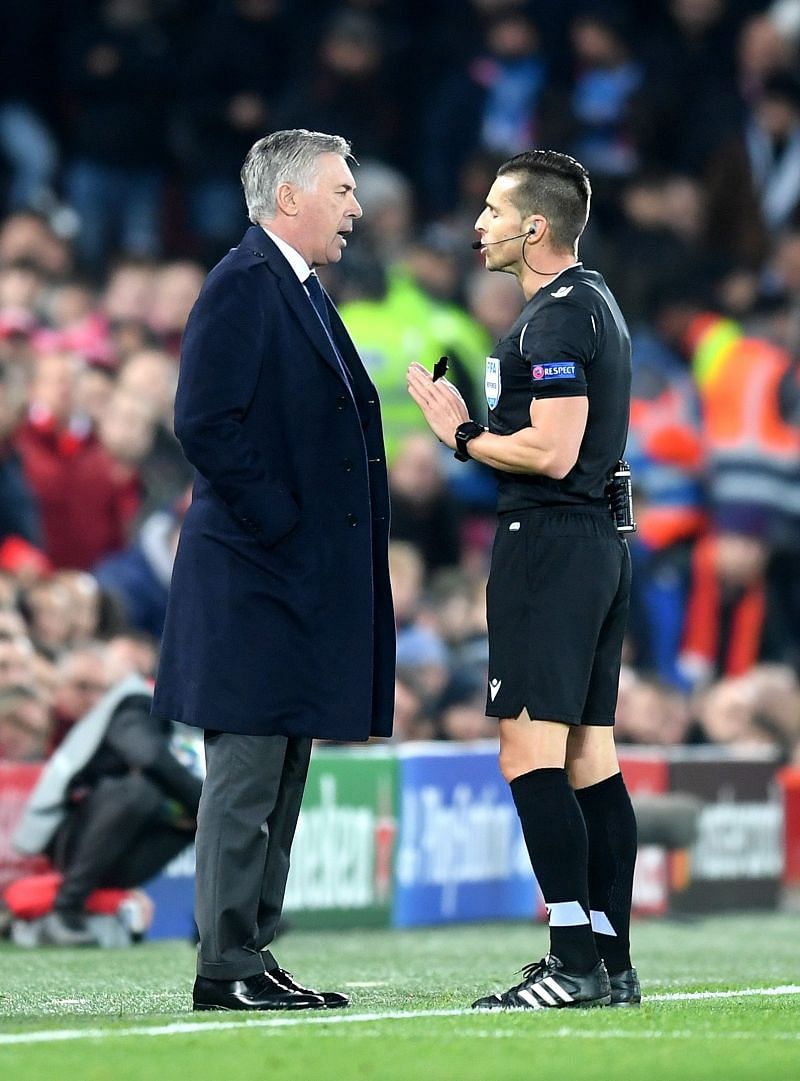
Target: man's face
x,y
326,212
82,685
24,731
54,384
498,220
16,663
127,428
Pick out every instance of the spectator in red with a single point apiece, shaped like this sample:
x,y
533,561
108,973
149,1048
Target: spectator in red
x,y
151,377
127,431
84,505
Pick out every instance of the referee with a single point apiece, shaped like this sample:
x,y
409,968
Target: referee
x,y
558,389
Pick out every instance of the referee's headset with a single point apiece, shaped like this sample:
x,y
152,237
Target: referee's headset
x,y
478,244
530,231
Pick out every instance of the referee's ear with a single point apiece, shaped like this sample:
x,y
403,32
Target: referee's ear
x,y
535,226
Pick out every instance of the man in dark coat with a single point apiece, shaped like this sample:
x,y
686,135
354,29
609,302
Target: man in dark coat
x,y
279,626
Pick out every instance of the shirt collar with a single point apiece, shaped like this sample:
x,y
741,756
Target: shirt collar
x,y
292,255
564,271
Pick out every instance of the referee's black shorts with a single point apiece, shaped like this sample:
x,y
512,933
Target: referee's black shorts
x,y
557,606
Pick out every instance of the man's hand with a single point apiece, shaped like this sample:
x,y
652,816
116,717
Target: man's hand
x,y
440,402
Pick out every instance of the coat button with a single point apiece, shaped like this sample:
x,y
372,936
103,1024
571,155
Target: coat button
x,y
341,402
347,465
351,519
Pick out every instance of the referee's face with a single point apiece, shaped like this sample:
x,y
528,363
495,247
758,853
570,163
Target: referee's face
x,y
498,221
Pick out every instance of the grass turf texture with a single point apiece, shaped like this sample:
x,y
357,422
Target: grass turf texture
x,y
146,988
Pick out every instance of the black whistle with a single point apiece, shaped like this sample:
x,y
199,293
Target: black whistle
x,y
439,368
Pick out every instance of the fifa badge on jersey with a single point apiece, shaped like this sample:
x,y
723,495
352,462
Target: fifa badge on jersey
x,y
492,382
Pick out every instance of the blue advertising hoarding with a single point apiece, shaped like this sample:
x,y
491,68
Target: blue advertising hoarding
x,y
461,855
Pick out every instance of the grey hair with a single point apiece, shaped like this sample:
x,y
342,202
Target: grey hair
x,y
284,156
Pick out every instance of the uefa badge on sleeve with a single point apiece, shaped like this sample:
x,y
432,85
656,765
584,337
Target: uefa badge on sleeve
x,y
492,382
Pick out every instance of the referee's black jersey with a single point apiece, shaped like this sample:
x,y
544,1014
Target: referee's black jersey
x,y
570,340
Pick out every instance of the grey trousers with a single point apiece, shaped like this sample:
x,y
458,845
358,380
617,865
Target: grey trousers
x,y
245,827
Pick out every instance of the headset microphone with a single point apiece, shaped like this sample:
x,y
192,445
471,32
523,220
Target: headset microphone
x,y
478,244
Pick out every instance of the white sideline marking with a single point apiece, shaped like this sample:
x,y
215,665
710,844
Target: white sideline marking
x,y
746,992
180,1028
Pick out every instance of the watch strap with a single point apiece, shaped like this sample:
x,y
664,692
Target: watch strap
x,y
470,429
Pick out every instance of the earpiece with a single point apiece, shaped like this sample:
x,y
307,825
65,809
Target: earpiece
x,y
478,244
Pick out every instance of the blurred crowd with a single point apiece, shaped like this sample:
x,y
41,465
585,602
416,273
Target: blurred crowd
x,y
123,125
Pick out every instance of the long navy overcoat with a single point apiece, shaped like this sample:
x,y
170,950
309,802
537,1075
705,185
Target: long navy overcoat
x,y
280,615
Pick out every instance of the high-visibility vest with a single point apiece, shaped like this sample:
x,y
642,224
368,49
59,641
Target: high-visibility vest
x,y
753,454
708,649
664,447
665,451
388,345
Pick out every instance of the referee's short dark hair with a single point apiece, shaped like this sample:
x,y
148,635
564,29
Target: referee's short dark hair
x,y
555,186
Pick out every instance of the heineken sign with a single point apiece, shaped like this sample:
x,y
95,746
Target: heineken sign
x,y
343,852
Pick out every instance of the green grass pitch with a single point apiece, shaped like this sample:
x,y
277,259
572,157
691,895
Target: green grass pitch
x,y
125,1015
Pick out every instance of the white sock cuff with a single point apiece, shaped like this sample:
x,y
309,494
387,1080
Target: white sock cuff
x,y
566,914
601,924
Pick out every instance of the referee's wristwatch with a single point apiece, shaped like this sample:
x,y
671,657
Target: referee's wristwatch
x,y
464,432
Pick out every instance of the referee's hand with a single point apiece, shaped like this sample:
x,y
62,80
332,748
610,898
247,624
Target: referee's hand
x,y
441,403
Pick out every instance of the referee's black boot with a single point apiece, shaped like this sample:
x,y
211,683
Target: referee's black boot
x,y
625,989
547,986
260,992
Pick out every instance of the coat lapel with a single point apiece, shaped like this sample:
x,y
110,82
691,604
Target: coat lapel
x,y
260,245
296,297
293,292
363,388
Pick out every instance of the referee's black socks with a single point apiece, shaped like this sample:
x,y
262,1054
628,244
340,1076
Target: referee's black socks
x,y
611,829
555,835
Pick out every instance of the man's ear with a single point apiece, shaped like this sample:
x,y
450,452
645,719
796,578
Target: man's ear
x,y
286,199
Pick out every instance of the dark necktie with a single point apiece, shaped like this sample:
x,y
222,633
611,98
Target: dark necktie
x,y
317,296
314,289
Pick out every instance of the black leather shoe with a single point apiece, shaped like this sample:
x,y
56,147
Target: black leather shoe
x,y
261,992
332,999
625,989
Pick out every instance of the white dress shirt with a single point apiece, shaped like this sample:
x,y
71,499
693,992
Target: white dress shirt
x,y
292,256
